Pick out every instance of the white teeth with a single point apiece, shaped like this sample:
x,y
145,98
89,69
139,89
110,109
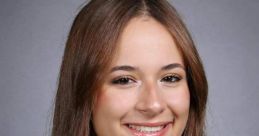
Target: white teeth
x,y
146,129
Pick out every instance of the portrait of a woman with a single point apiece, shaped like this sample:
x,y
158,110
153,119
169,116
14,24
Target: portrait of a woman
x,y
130,68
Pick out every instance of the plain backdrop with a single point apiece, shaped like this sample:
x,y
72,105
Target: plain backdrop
x,y
32,38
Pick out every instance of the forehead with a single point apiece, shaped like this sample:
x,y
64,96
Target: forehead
x,y
146,41
145,30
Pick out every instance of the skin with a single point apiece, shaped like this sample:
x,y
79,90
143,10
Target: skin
x,y
139,89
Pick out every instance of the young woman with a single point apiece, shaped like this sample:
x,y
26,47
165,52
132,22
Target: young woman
x,y
130,68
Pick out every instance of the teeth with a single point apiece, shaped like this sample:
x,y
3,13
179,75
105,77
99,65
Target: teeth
x,y
146,129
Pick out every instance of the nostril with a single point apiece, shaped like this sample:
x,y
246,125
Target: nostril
x,y
150,109
150,101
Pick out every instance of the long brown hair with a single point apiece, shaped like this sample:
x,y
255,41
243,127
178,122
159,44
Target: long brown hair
x,y
90,48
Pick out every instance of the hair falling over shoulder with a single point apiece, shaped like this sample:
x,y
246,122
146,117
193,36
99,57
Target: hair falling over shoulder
x,y
90,48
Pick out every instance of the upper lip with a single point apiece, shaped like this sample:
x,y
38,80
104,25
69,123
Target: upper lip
x,y
150,124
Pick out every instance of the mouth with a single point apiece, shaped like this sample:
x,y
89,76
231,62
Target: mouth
x,y
148,129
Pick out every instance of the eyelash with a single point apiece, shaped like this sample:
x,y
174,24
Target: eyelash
x,y
124,80
171,78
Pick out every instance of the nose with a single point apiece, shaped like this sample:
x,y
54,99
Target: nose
x,y
150,102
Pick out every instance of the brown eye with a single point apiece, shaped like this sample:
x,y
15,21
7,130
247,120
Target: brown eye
x,y
171,79
123,81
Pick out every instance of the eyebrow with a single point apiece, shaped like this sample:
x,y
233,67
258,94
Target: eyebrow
x,y
131,68
124,67
172,66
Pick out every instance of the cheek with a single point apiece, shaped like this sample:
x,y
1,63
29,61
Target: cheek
x,y
110,107
179,101
113,103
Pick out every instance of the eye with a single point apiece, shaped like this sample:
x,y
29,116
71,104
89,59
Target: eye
x,y
125,80
171,78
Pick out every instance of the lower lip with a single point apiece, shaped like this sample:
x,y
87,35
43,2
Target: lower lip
x,y
158,133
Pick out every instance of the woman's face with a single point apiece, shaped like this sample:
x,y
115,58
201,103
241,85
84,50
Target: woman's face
x,y
146,91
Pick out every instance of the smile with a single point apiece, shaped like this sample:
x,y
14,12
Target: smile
x,y
148,129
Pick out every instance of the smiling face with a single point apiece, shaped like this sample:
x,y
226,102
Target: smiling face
x,y
146,91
